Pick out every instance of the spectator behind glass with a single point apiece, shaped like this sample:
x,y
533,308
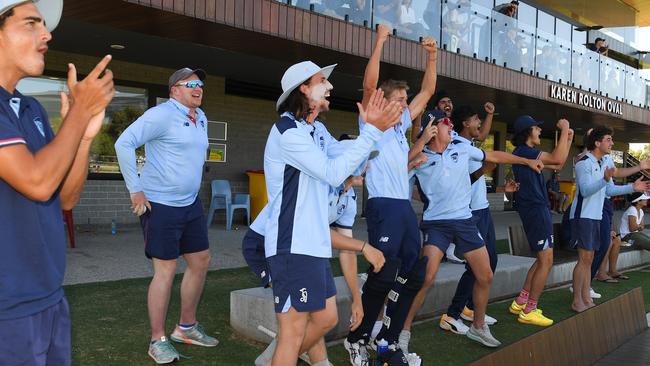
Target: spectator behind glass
x,y
599,46
456,19
410,23
508,9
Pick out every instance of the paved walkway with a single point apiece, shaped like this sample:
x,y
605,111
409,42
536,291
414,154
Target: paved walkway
x,y
100,256
635,352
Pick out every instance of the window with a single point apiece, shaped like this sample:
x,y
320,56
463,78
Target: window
x,y
127,105
545,22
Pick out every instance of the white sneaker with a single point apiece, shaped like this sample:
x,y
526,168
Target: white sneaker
x,y
483,336
453,325
592,293
451,256
358,352
403,340
413,359
468,314
625,244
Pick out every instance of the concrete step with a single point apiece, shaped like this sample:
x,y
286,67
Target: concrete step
x,y
254,306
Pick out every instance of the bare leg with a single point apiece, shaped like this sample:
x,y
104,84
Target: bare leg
x,y
543,266
320,322
479,261
602,270
435,256
581,274
158,296
291,332
318,352
530,275
192,285
614,250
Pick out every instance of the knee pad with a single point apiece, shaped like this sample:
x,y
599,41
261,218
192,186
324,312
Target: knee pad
x,y
383,280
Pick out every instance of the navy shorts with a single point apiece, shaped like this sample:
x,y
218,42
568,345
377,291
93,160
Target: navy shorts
x,y
301,281
170,232
463,233
393,229
585,234
253,250
39,339
538,227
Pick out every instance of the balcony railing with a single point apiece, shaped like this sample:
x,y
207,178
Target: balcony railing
x,y
468,28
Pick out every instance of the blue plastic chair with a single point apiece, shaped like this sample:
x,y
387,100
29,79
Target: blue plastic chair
x,y
222,198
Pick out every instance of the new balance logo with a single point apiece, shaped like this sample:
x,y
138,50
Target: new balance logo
x,y
277,300
384,239
303,295
393,296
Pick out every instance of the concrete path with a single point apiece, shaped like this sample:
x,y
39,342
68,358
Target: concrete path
x,y
100,256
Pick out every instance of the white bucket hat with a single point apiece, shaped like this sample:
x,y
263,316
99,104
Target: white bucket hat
x,y
50,9
641,197
298,74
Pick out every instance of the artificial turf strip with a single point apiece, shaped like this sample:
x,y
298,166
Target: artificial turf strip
x,y
110,323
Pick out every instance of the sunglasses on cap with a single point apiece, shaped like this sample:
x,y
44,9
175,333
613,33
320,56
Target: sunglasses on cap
x,y
191,84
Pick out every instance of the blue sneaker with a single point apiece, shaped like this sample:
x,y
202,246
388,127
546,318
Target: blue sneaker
x,y
162,351
195,335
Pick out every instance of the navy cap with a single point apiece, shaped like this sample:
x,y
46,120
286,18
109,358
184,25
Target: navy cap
x,y
525,122
431,115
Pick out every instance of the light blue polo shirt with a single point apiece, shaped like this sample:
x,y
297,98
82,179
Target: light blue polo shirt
x,y
175,150
479,187
591,188
298,174
388,176
444,182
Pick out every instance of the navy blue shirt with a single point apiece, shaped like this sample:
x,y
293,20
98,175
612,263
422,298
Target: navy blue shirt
x,y
32,263
532,190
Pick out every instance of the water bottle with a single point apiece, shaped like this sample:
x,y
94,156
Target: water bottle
x,y
382,347
113,227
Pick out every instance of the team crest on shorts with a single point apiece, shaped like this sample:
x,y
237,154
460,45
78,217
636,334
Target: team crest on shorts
x,y
303,295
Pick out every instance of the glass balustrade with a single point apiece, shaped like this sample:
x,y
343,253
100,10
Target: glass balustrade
x,y
475,30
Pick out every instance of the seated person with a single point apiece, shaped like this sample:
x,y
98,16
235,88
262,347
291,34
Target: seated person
x,y
632,223
612,275
559,199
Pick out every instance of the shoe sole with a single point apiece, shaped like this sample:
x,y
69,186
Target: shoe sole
x,y
524,321
481,341
191,342
162,362
448,327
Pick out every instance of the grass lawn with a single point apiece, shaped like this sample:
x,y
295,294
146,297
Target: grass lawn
x,y
110,324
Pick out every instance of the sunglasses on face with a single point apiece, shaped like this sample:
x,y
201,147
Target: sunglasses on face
x,y
191,84
445,121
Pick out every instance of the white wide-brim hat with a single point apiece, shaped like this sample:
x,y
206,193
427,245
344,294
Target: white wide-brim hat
x,y
641,197
50,10
298,74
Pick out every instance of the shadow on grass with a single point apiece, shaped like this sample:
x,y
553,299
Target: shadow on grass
x,y
110,323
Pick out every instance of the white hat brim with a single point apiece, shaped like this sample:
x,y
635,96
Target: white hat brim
x,y
51,11
641,197
327,71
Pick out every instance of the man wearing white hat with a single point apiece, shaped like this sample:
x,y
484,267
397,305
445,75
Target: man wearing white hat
x,y
40,174
298,175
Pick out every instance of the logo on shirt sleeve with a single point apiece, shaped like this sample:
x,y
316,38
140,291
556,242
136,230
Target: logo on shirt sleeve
x,y
39,125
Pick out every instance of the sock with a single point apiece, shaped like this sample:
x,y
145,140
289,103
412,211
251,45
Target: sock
x,y
523,297
376,328
531,305
186,326
325,362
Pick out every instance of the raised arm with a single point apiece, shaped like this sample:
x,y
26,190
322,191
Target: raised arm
x,y
38,175
501,157
371,75
419,102
556,159
484,131
626,172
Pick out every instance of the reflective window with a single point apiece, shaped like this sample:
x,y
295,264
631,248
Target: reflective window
x,y
127,105
545,22
563,30
466,28
409,18
527,14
